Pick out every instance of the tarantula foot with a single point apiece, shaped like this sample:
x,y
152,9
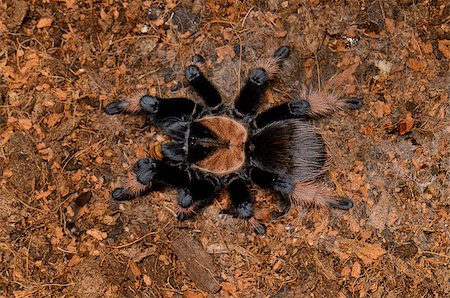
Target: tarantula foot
x,y
192,72
245,210
149,104
282,53
285,206
353,103
185,199
116,107
186,205
121,194
299,107
277,214
283,185
257,226
145,170
259,76
185,213
198,59
342,203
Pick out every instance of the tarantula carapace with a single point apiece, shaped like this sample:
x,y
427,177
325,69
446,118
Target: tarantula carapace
x,y
214,146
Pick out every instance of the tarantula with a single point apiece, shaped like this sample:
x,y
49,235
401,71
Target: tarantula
x,y
214,146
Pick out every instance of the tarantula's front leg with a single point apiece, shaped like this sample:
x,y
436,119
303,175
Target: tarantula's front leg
x,y
282,186
294,109
147,171
243,203
157,108
202,86
250,95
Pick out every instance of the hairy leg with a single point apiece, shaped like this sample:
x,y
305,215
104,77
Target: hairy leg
x,y
294,109
308,193
281,185
326,102
242,202
198,195
250,95
157,108
144,173
203,87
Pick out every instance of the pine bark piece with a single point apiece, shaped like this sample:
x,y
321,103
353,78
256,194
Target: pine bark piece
x,y
198,264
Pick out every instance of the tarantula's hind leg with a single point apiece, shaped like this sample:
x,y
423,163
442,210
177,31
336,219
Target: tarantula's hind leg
x,y
243,204
200,194
282,186
352,103
308,193
125,106
326,102
147,171
342,203
138,182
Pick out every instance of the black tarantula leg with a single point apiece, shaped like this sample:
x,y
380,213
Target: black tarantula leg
x,y
254,88
298,109
200,194
281,185
125,106
138,182
243,203
147,171
251,93
172,108
352,103
203,87
156,107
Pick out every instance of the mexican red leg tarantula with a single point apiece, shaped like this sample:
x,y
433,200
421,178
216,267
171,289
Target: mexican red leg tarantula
x,y
213,147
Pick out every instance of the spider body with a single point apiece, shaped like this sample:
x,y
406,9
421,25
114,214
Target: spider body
x,y
213,147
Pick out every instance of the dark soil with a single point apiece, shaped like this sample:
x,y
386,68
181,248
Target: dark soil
x,y
61,62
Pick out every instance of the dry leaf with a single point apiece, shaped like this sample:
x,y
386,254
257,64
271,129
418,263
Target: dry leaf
x,y
390,25
356,270
346,271
70,3
224,51
406,124
53,119
43,194
23,294
417,65
75,260
44,22
147,280
370,252
134,269
97,234
25,124
7,173
444,47
192,294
